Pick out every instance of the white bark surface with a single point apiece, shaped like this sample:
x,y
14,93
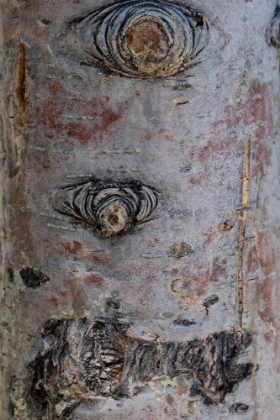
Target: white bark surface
x,y
206,141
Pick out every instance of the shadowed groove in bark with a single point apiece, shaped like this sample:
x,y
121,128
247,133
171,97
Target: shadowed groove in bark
x,y
21,86
243,214
273,30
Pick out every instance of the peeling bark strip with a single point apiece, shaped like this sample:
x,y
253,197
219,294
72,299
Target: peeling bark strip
x,y
245,197
84,359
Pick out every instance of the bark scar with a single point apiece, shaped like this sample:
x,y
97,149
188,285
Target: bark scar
x,y
83,359
273,30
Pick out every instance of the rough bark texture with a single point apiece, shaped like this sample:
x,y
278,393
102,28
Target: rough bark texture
x,y
140,210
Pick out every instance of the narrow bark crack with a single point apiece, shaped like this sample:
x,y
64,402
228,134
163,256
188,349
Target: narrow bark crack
x,y
243,215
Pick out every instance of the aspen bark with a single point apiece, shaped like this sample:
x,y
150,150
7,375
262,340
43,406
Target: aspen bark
x,y
140,213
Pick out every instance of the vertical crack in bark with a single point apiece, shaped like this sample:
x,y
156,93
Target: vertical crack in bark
x,y
243,215
21,87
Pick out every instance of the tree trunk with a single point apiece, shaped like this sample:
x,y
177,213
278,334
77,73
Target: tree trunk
x,y
140,210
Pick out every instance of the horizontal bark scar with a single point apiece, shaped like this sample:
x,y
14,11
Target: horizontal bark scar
x,y
84,359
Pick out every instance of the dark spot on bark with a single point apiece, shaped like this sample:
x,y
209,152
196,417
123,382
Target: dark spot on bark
x,y
238,408
211,300
33,278
21,92
113,306
106,360
180,250
94,280
225,348
10,273
46,22
184,322
273,31
226,226
169,399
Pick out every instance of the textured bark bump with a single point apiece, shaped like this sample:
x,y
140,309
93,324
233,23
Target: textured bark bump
x,y
109,207
33,278
273,31
180,250
84,359
209,301
150,39
238,408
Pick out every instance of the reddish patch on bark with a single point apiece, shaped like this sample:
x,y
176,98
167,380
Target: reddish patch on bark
x,y
257,108
79,131
252,260
53,300
227,145
266,252
100,257
169,399
257,112
265,302
219,269
194,286
268,336
65,294
210,236
197,180
94,280
204,154
42,162
73,249
55,88
83,120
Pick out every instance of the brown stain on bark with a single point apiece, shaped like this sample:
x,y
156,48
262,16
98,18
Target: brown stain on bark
x,y
169,399
90,120
252,262
52,300
145,40
266,300
266,252
258,107
219,269
199,179
93,280
73,248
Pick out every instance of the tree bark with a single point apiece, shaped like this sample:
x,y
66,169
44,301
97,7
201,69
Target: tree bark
x,y
140,210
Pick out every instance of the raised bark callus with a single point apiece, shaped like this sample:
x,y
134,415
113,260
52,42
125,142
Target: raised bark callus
x,y
83,360
140,210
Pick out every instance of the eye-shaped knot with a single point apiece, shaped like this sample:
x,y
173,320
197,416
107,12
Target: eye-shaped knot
x,y
142,39
107,206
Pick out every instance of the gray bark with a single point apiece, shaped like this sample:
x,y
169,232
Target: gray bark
x,y
140,210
